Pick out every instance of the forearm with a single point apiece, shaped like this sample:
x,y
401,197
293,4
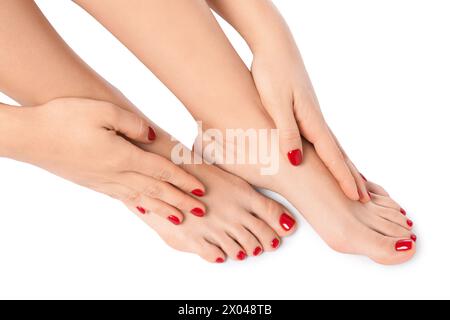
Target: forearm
x,y
258,21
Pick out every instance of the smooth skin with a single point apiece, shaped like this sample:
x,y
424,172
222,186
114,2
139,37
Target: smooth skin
x,y
215,85
239,223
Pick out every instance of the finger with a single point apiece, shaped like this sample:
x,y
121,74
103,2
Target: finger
x,y
160,168
317,132
163,191
130,124
290,139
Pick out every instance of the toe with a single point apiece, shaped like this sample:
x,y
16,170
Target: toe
x,y
374,188
231,247
274,214
388,228
388,250
266,235
385,202
247,240
210,252
395,216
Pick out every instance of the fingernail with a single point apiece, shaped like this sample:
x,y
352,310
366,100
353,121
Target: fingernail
x,y
151,134
364,178
295,157
174,220
257,251
198,192
403,211
403,245
275,243
414,238
198,212
286,222
241,255
141,210
410,223
220,260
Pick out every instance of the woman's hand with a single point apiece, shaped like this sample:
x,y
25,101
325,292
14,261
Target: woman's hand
x,y
288,96
86,141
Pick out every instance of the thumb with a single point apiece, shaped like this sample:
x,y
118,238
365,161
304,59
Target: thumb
x,y
133,126
290,138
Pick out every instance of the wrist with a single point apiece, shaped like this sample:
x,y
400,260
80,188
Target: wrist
x,y
12,131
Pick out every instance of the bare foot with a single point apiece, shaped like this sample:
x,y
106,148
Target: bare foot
x,y
240,221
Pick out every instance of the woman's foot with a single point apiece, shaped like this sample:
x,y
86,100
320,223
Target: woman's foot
x,y
240,221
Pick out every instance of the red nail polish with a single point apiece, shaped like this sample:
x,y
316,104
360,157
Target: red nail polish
x,y
257,251
295,157
151,134
275,243
410,223
403,245
364,178
414,238
174,220
220,260
241,255
141,210
198,212
198,192
403,211
286,222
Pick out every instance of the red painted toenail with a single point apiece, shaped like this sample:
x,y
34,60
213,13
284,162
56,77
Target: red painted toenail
x,y
286,222
364,178
220,260
410,223
198,192
241,255
151,134
275,243
295,157
141,210
257,251
403,245
198,212
414,238
403,211
174,220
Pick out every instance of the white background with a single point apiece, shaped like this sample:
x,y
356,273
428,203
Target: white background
x,y
382,72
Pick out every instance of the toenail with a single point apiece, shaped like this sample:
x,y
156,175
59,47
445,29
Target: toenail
x,y
151,134
241,255
403,245
286,222
414,238
141,210
403,211
174,220
275,243
198,212
410,223
198,192
295,157
364,178
220,260
257,251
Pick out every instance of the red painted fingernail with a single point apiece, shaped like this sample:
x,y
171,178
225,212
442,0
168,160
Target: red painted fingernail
x,y
414,237
410,223
198,212
151,134
174,220
364,178
141,210
198,192
403,211
220,260
295,157
241,255
275,243
404,245
286,222
257,251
